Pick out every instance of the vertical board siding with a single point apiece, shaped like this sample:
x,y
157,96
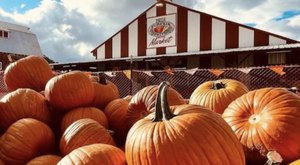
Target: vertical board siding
x,y
101,52
276,41
160,11
260,38
116,52
133,39
232,35
182,30
205,33
171,9
142,35
124,42
218,34
193,43
246,37
151,13
108,48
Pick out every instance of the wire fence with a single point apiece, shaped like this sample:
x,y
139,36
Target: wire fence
x,y
186,81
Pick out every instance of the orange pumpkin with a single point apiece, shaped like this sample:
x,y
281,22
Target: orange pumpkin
x,y
266,120
83,112
191,134
70,90
29,72
217,95
95,154
143,102
23,103
24,140
83,132
105,92
296,162
45,160
116,112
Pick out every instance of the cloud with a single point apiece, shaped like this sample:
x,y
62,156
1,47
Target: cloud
x,y
68,31
22,5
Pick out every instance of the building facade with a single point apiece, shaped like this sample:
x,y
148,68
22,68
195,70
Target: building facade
x,y
16,41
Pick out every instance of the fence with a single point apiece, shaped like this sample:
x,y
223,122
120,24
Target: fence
x,y
186,81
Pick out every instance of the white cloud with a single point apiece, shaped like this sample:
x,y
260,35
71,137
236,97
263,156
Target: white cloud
x,y
68,31
22,5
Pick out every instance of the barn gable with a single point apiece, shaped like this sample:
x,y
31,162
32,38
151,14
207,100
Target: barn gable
x,y
186,30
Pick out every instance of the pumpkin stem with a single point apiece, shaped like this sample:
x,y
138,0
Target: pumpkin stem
x,y
162,109
102,79
218,85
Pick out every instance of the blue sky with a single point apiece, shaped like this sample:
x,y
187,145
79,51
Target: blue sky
x,y
18,5
68,30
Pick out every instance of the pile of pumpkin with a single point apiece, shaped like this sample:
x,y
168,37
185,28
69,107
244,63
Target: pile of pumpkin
x,y
77,118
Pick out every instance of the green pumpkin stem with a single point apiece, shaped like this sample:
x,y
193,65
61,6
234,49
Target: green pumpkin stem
x,y
102,79
162,109
218,85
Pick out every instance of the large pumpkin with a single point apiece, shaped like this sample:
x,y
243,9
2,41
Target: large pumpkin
x,y
217,95
95,154
23,103
83,132
45,160
29,72
116,112
266,120
143,102
105,92
81,113
70,90
296,162
190,135
24,140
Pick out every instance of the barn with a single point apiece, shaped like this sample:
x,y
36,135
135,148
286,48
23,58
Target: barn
x,y
171,35
16,41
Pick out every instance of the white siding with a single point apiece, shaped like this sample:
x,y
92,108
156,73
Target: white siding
x,y
151,13
276,41
218,34
193,31
116,46
171,9
133,39
101,52
246,37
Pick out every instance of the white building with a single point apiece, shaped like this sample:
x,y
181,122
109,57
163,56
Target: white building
x,y
16,40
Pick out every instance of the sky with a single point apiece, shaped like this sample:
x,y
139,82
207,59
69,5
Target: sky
x,y
68,30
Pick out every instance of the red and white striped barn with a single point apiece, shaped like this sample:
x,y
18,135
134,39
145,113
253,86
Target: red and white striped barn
x,y
176,36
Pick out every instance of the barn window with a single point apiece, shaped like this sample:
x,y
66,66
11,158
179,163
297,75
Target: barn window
x,y
3,34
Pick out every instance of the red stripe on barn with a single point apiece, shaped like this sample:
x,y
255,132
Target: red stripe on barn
x,y
124,42
108,48
142,35
205,32
261,38
182,30
232,35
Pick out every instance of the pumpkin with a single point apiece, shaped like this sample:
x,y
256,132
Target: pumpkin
x,y
105,92
116,112
30,72
296,162
217,95
266,120
191,134
70,90
83,132
24,140
45,160
23,103
95,154
143,102
83,112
